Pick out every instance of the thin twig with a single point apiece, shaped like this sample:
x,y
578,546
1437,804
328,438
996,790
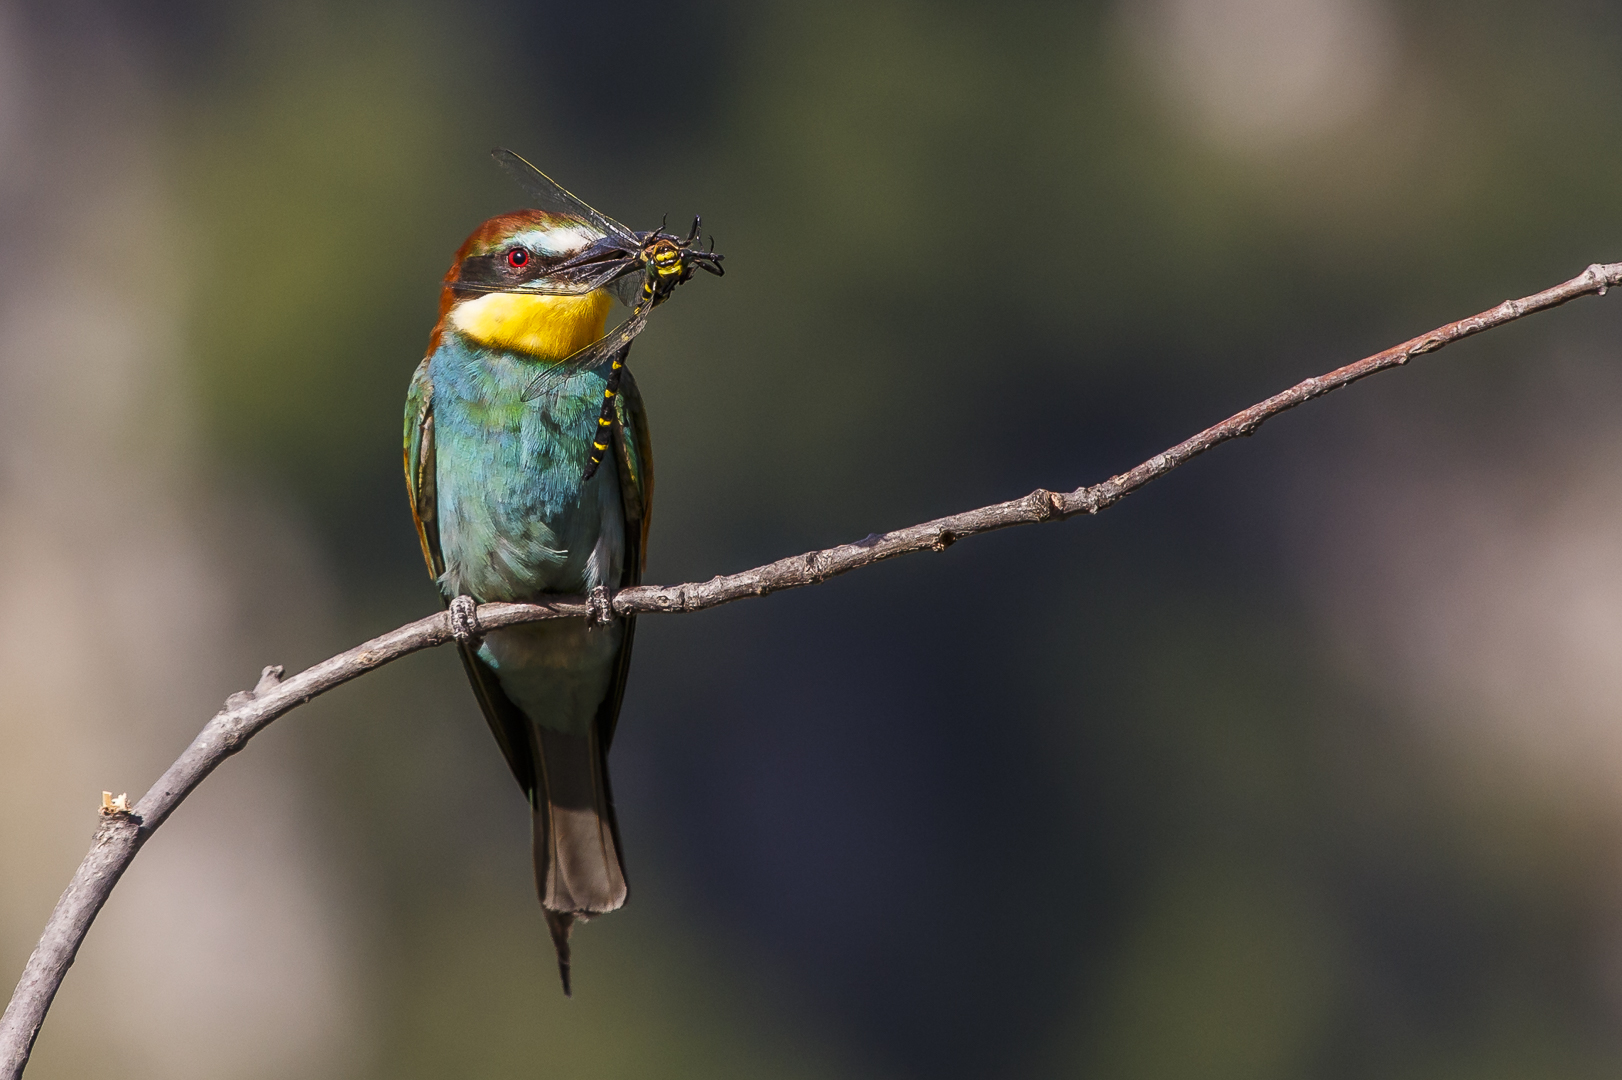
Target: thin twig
x,y
121,833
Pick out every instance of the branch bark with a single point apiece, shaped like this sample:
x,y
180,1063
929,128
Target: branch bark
x,y
121,833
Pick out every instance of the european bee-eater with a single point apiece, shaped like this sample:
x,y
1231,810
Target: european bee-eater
x,y
517,494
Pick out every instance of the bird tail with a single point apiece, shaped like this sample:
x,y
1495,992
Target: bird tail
x,y
578,872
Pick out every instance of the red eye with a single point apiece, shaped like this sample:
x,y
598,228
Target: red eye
x,y
517,257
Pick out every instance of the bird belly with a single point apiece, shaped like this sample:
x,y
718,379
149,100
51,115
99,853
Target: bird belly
x,y
558,671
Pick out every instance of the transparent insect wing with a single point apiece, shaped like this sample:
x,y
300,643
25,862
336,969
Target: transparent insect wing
x,y
594,355
590,278
615,277
628,288
550,195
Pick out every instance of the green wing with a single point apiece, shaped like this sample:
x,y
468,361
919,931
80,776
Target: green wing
x,y
636,495
419,466
507,723
636,474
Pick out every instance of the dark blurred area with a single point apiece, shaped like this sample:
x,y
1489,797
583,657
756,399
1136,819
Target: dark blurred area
x,y
1300,763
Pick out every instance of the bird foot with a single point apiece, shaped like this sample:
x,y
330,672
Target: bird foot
x,y
111,805
600,608
464,619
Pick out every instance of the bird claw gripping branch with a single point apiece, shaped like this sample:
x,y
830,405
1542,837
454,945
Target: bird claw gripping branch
x,y
600,607
463,614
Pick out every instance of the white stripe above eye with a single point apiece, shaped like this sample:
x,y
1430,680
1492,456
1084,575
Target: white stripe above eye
x,y
558,240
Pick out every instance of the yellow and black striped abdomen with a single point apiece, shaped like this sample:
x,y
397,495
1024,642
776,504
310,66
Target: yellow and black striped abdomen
x,y
603,436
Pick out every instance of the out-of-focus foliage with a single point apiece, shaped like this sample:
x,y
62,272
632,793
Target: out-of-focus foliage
x,y
1300,763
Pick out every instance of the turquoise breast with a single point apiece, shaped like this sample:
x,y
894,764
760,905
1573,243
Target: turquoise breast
x,y
515,519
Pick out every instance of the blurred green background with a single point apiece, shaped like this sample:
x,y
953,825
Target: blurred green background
x,y
1301,763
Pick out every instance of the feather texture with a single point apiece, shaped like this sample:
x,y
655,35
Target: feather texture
x,y
503,514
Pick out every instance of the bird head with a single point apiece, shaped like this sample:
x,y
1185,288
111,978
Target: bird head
x,y
503,289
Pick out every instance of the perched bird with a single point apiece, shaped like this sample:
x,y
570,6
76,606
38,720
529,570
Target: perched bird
x,y
519,493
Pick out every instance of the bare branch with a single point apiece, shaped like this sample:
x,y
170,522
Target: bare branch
x,y
121,833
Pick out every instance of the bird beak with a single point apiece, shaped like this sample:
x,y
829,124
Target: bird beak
x,y
594,254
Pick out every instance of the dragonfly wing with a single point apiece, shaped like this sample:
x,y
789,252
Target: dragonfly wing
x,y
594,355
628,287
550,195
596,275
566,282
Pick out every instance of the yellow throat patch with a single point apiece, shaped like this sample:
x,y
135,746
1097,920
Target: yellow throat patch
x,y
551,327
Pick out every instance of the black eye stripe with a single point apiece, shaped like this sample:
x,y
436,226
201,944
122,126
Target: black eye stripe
x,y
495,269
